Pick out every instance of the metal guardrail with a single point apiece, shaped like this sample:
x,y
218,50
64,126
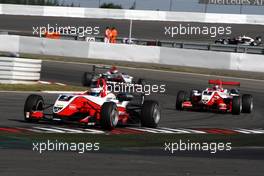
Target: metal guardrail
x,y
196,46
184,45
171,44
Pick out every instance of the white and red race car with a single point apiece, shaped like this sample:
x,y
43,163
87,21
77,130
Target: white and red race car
x,y
111,75
216,99
95,107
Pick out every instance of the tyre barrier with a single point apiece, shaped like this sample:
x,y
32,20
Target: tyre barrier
x,y
19,71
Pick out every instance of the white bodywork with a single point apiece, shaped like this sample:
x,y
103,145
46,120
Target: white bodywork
x,y
110,97
247,40
127,78
208,94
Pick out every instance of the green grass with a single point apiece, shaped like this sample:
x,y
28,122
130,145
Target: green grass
x,y
39,87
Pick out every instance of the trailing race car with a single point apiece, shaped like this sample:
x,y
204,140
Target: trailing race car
x,y
112,75
95,107
216,99
244,40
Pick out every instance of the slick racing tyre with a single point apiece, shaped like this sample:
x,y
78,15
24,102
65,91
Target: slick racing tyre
x,y
87,79
150,114
236,105
109,116
181,97
247,103
33,103
141,82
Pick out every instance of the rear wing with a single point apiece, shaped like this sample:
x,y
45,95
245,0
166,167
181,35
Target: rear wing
x,y
103,67
221,83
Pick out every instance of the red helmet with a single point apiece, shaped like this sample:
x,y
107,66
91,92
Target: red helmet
x,y
113,70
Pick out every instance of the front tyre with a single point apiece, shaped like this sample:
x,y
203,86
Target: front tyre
x,y
109,116
33,103
236,105
181,97
150,114
247,103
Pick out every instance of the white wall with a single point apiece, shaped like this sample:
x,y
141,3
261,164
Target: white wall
x,y
134,53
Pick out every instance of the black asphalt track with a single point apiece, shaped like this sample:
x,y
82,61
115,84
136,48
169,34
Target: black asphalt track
x,y
151,30
136,161
70,73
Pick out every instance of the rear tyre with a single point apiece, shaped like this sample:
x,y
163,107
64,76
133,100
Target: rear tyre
x,y
247,103
236,105
109,116
141,82
150,114
87,79
33,103
181,97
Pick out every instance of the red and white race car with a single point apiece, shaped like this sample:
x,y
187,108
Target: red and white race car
x,y
216,99
111,75
95,107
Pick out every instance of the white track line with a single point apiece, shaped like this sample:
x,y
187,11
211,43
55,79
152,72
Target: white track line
x,y
95,131
69,130
49,129
185,131
144,130
178,131
247,131
196,131
65,130
155,130
161,130
35,130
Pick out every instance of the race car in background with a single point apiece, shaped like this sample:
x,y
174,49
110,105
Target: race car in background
x,y
216,99
97,107
112,75
240,40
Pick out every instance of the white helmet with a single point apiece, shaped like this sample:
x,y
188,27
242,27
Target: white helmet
x,y
96,91
216,87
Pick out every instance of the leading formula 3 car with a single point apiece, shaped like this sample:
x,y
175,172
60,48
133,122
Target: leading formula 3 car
x,y
216,99
95,107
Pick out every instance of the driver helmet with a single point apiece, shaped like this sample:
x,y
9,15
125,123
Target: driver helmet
x,y
216,87
113,70
96,91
